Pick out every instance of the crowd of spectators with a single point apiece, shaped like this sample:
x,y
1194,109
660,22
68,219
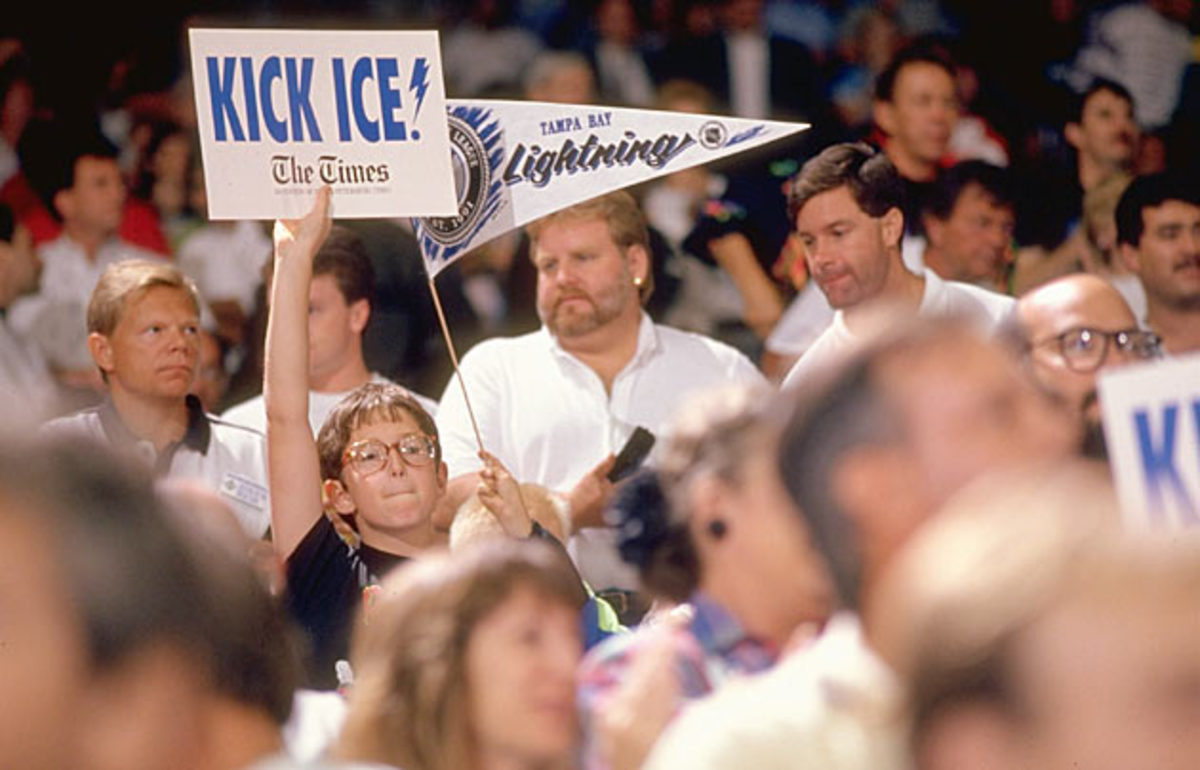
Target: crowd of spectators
x,y
248,518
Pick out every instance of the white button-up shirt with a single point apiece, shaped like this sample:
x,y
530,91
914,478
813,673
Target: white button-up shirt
x,y
547,416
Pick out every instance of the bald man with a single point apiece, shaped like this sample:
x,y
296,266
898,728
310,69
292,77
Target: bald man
x,y
1074,328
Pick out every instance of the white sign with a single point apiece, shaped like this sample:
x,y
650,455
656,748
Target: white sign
x,y
517,161
1152,427
283,112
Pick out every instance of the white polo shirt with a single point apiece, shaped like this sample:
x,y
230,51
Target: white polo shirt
x,y
546,415
227,458
941,298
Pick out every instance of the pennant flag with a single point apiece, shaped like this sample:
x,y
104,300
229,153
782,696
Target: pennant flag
x,y
515,162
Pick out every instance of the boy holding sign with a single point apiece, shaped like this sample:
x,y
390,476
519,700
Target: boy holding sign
x,y
376,464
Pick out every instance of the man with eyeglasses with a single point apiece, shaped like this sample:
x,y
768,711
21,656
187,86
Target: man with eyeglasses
x,y
1072,329
1158,233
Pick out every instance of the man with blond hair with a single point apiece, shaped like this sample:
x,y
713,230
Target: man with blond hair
x,y
556,404
143,324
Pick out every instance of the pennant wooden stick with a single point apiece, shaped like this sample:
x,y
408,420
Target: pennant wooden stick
x,y
437,305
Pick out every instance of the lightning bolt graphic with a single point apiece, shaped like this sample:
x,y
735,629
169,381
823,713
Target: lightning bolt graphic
x,y
419,83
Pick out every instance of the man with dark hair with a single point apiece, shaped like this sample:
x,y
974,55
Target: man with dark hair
x,y
845,203
1104,135
1103,131
105,656
916,107
868,454
339,300
969,224
1158,232
82,185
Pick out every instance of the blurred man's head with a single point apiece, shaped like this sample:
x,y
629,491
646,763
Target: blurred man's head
x,y
969,222
1074,328
1047,639
104,654
845,205
1102,129
561,77
891,433
917,106
255,661
81,181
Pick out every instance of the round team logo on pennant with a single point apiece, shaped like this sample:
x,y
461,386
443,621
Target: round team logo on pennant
x,y
472,175
713,135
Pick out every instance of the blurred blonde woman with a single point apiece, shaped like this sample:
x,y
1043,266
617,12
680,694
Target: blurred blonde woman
x,y
466,661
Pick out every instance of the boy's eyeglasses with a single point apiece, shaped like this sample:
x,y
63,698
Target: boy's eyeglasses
x,y
372,455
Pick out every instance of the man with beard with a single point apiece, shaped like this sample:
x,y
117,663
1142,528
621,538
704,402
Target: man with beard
x,y
556,404
1072,329
1158,232
846,206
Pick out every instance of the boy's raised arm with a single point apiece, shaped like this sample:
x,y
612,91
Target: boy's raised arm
x,y
293,467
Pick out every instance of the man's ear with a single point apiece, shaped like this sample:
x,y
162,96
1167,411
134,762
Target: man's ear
x,y
360,314
335,495
1131,257
934,228
639,262
892,223
443,474
64,203
1073,133
707,503
101,350
884,115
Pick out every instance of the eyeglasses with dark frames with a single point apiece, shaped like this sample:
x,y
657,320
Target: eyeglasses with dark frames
x,y
1085,349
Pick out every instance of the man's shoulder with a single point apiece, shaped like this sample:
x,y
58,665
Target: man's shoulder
x,y
534,340
967,297
234,434
677,342
829,344
508,352
250,413
83,423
